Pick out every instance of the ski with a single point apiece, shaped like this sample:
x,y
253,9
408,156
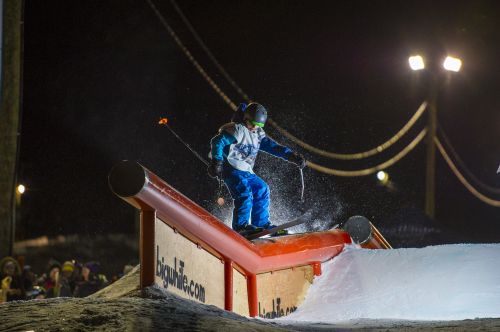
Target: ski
x,y
246,233
298,221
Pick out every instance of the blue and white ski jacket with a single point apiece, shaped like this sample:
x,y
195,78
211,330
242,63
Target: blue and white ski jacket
x,y
239,146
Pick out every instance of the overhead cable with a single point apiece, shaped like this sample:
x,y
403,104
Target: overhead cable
x,y
374,169
461,178
284,132
462,165
360,155
209,53
191,58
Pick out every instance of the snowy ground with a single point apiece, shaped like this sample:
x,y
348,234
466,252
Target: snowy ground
x,y
449,282
357,284
122,307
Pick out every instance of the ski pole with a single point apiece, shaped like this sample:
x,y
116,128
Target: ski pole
x,y
303,186
164,122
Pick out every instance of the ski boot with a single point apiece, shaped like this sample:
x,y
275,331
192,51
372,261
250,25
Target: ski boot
x,y
248,229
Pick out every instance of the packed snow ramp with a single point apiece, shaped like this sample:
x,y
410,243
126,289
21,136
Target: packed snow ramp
x,y
447,282
188,251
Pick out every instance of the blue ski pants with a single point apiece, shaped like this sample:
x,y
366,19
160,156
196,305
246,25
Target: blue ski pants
x,y
251,198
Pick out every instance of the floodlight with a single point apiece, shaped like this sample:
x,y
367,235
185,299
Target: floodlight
x,y
383,176
21,189
452,64
416,62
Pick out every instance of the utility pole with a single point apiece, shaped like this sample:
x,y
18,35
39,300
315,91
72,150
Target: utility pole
x,y
430,179
450,64
10,83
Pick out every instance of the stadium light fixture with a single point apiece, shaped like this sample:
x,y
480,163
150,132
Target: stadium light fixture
x,y
452,64
416,62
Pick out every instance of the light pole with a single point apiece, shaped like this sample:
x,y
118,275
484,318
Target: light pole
x,y
20,190
417,62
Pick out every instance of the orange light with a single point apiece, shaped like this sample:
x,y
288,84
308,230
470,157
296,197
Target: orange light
x,y
163,121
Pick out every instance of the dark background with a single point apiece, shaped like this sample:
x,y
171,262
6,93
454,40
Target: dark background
x,y
99,74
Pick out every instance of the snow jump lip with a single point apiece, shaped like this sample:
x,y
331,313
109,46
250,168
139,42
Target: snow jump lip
x,y
164,210
143,189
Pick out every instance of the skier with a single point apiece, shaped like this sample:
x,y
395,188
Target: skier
x,y
233,153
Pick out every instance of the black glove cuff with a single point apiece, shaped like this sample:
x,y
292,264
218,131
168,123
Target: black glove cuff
x,y
297,159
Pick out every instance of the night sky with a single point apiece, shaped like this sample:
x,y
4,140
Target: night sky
x,y
99,74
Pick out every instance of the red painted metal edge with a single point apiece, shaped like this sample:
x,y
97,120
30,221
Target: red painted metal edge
x,y
253,304
147,248
316,268
228,285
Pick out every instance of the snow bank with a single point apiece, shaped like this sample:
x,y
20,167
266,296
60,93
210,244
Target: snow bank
x,y
449,282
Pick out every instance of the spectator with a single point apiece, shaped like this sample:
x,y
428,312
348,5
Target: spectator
x,y
32,290
29,278
52,282
12,288
69,274
126,269
91,281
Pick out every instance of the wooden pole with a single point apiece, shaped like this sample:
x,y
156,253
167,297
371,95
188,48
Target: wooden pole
x,y
430,178
10,114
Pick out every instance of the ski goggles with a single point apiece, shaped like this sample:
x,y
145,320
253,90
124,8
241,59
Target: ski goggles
x,y
258,124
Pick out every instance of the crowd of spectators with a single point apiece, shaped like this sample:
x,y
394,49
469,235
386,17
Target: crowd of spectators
x,y
70,279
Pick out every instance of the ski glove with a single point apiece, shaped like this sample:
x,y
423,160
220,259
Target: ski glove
x,y
215,168
297,159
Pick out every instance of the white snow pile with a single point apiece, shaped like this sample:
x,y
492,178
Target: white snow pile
x,y
449,282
